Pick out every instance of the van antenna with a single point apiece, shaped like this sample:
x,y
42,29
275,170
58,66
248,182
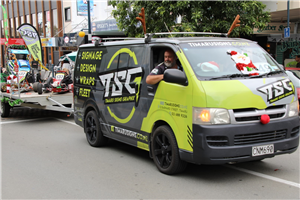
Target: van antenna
x,y
168,29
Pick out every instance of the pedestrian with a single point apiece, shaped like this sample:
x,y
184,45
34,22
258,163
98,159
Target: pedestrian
x,y
295,63
66,64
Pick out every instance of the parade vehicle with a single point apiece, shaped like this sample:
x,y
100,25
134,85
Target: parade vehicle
x,y
61,83
231,103
18,72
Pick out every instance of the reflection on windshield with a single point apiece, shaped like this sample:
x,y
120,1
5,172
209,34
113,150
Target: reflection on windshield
x,y
216,59
21,56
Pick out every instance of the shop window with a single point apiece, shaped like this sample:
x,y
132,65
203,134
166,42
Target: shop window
x,y
68,14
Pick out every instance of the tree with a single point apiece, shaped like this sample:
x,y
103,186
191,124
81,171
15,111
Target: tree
x,y
197,16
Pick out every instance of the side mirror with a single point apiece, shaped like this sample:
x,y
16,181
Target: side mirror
x,y
175,76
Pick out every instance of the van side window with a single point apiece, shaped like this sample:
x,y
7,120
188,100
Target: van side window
x,y
123,62
139,54
107,64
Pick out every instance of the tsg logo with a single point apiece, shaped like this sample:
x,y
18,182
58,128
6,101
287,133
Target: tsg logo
x,y
30,34
117,87
277,90
128,91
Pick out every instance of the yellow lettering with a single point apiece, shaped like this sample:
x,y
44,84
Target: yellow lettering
x,y
84,92
93,55
87,67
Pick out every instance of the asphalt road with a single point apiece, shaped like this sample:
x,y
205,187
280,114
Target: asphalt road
x,y
46,156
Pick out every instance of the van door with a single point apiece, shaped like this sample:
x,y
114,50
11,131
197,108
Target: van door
x,y
123,79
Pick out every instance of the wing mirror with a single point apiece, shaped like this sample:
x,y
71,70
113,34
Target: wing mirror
x,y
175,76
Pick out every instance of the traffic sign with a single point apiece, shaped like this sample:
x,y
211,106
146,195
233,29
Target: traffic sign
x,y
287,32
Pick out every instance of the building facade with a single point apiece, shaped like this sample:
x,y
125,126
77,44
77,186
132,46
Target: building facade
x,y
45,16
273,38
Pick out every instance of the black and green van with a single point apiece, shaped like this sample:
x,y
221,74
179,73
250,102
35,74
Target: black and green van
x,y
216,110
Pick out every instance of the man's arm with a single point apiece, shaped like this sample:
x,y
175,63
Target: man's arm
x,y
153,79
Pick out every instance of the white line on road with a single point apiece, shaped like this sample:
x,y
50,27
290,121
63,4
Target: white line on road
x,y
265,176
25,120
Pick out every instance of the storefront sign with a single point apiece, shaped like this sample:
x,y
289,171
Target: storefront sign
x,y
82,8
49,42
274,28
105,25
13,41
71,39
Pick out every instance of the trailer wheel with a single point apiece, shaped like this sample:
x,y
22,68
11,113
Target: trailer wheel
x,y
92,130
5,109
165,151
40,88
34,86
3,87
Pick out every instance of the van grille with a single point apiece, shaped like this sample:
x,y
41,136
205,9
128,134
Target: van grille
x,y
255,138
295,132
253,115
217,141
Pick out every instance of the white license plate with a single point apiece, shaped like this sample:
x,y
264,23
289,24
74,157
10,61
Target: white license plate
x,y
263,150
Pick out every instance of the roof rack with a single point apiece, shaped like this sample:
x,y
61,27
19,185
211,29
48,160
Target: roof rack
x,y
122,38
148,36
100,41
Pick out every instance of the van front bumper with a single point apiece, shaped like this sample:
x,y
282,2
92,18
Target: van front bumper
x,y
220,144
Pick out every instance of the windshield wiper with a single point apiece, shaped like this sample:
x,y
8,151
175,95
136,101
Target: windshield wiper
x,y
267,74
231,76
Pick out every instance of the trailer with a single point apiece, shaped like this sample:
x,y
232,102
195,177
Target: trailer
x,y
46,101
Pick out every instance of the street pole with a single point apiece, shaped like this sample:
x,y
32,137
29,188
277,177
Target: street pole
x,y
288,13
89,21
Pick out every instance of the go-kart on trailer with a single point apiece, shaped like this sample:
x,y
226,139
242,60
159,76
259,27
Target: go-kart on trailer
x,y
47,101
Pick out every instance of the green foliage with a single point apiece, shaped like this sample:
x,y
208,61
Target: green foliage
x,y
197,16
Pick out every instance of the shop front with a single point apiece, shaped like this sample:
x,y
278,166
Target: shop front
x,y
272,39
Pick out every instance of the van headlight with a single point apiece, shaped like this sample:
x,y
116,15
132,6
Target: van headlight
x,y
209,116
294,109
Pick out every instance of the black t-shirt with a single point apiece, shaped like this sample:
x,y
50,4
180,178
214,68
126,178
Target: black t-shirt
x,y
298,65
159,69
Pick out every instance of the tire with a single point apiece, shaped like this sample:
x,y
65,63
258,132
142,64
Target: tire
x,y
165,151
5,109
49,81
34,86
40,88
92,130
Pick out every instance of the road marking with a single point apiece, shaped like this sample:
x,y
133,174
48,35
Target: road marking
x,y
25,120
265,176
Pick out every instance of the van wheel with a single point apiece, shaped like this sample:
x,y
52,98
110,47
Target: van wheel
x,y
165,151
92,130
5,109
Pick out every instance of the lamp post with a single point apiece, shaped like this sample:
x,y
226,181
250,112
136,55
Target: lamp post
x,y
288,13
89,21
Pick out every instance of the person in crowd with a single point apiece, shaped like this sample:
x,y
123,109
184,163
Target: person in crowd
x,y
295,63
66,64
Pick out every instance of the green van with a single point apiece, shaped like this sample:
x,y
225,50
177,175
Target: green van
x,y
231,102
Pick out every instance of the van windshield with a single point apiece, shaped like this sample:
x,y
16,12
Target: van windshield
x,y
214,60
